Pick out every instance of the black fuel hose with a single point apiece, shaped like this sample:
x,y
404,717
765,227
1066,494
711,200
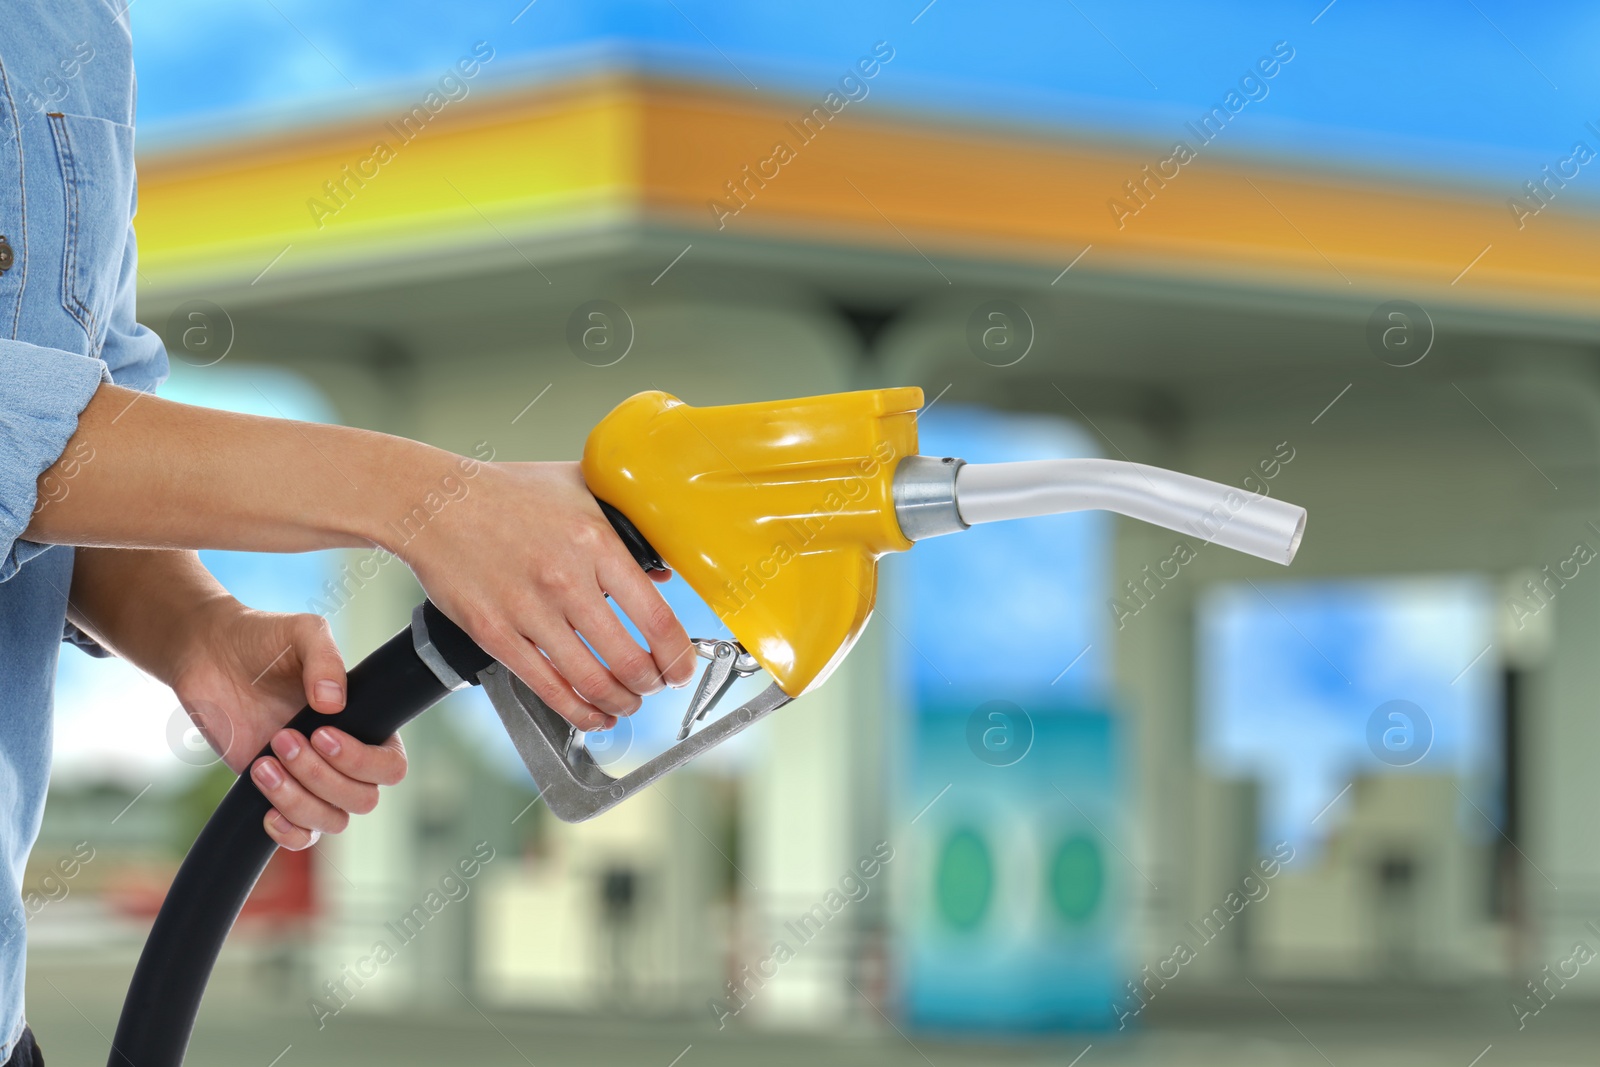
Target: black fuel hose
x,y
385,691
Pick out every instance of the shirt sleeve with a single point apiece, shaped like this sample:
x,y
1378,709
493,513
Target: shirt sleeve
x,y
42,393
133,353
135,358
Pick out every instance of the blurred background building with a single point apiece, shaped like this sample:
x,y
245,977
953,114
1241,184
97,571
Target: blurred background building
x,y
1116,788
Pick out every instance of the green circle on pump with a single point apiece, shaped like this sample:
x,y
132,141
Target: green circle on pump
x,y
964,880
1077,879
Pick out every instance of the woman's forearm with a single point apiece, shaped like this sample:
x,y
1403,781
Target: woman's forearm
x,y
145,472
519,555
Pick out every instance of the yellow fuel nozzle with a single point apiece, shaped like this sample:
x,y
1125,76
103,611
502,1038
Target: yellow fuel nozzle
x,y
774,513
777,514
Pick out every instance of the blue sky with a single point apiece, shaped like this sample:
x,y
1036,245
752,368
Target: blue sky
x,y
1481,90
1291,672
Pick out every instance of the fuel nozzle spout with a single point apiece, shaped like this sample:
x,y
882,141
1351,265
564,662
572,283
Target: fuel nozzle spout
x,y
938,496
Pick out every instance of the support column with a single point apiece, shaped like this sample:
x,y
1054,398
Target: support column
x,y
800,827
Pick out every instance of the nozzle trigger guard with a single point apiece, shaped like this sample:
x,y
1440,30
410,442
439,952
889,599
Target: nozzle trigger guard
x,y
570,781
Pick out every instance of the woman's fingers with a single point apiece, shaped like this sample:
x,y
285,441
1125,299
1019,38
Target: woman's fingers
x,y
583,672
539,675
306,764
383,764
316,785
640,601
634,667
287,834
294,801
521,651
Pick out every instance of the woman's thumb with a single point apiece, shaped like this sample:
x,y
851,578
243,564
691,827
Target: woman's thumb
x,y
322,668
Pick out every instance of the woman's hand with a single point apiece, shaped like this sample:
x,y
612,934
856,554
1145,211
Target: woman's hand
x,y
241,674
523,559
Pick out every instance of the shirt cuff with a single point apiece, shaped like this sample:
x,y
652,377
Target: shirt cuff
x,y
71,635
42,393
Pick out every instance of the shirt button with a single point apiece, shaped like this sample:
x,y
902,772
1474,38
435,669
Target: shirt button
x,y
7,257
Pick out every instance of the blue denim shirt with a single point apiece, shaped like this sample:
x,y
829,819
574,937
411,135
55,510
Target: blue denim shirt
x,y
67,324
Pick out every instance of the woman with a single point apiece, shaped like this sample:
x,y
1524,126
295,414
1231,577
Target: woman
x,y
106,490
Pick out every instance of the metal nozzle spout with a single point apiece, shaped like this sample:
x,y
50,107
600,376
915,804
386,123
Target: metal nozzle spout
x,y
934,497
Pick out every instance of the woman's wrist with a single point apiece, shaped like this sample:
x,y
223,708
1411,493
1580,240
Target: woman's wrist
x,y
192,628
414,488
149,606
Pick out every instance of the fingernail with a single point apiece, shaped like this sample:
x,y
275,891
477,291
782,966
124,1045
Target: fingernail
x,y
330,692
326,742
287,743
266,773
283,825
